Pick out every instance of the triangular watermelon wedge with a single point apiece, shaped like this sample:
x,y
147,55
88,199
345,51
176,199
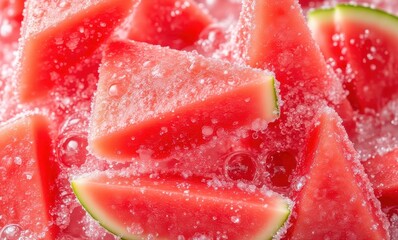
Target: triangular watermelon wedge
x,y
57,36
335,199
371,40
362,41
172,207
159,100
383,173
329,38
27,177
274,35
172,23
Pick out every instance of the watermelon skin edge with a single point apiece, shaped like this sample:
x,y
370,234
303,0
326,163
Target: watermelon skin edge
x,y
278,230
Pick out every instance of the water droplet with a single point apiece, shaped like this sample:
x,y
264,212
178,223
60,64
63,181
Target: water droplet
x,y
11,232
5,28
235,219
240,166
113,90
207,131
81,29
18,160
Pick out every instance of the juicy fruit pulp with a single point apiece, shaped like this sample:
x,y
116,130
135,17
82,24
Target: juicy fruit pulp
x,y
334,198
56,39
365,47
364,40
169,23
236,164
27,177
383,173
168,208
274,35
160,107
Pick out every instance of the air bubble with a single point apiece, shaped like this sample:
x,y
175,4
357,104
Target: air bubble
x,y
240,166
207,131
72,151
11,232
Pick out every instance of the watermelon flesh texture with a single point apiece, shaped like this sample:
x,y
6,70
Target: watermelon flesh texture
x,y
375,128
176,107
58,36
10,23
370,40
171,207
327,35
383,173
27,179
353,36
334,198
274,35
173,23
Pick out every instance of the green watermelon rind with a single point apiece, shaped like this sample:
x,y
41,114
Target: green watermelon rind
x,y
320,14
75,188
364,14
268,232
372,16
276,97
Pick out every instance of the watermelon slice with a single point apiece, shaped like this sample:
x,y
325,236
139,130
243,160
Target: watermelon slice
x,y
274,35
176,208
173,23
335,192
27,177
369,43
370,39
146,103
328,36
383,173
57,36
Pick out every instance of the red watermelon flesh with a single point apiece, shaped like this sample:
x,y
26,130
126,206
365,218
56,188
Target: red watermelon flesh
x,y
146,103
223,10
27,177
274,35
383,173
173,23
329,38
171,207
10,23
331,42
372,52
57,36
334,190
12,9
